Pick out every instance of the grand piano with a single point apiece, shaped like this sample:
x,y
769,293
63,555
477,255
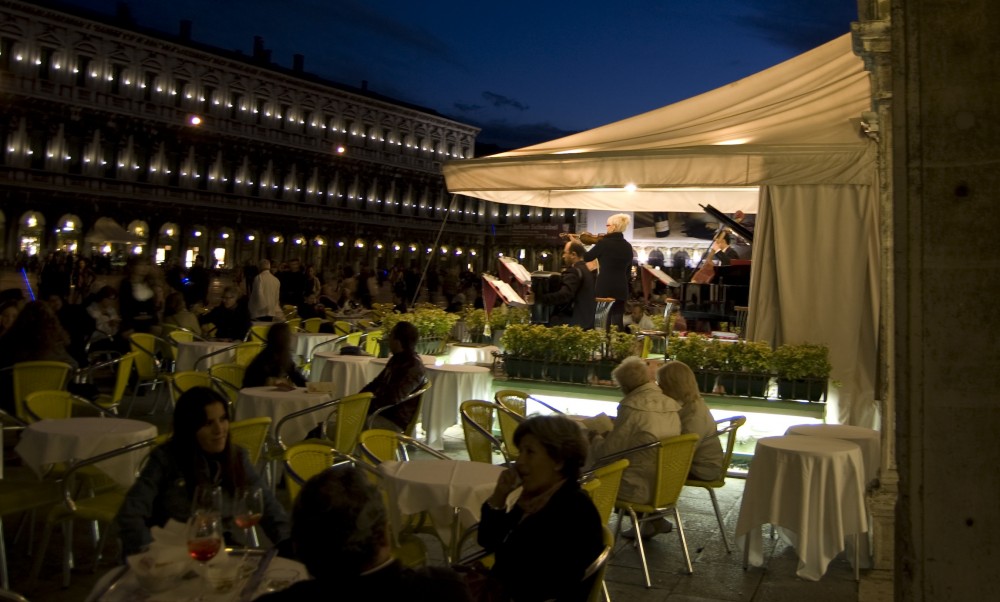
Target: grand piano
x,y
716,301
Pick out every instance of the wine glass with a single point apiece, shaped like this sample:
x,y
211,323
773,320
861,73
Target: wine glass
x,y
207,498
248,510
204,538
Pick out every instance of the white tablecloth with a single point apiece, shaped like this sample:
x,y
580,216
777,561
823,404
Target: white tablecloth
x,y
305,341
439,487
462,354
451,385
348,373
377,364
254,402
188,353
811,487
49,442
867,439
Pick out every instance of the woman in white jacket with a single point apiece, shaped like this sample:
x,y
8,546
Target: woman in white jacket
x,y
645,415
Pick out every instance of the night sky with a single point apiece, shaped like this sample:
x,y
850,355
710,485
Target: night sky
x,y
524,71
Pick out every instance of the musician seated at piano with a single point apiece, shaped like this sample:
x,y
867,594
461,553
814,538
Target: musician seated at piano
x,y
575,300
724,253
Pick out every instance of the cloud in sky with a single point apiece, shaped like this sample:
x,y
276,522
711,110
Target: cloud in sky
x,y
501,102
468,108
797,25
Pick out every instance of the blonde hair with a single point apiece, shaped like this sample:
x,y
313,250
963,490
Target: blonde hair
x,y
619,222
631,374
676,380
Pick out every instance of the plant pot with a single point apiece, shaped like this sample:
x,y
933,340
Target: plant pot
x,y
536,369
430,346
569,372
812,389
744,384
706,380
603,369
516,367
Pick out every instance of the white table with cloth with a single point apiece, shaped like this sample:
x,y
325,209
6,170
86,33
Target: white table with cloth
x,y
254,402
188,353
470,354
812,490
450,491
303,343
450,386
348,373
49,442
377,364
867,439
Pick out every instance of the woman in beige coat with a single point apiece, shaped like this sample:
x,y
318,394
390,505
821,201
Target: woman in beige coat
x,y
677,381
645,415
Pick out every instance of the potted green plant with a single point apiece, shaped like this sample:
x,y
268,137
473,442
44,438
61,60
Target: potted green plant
x,y
617,346
434,325
700,354
802,370
475,322
748,368
527,345
572,348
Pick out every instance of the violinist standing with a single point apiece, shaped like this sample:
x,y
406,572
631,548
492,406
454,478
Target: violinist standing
x,y
614,256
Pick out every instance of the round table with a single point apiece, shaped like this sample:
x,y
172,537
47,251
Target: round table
x,y
812,488
188,353
48,442
348,373
377,364
865,438
440,488
470,354
304,343
451,385
254,402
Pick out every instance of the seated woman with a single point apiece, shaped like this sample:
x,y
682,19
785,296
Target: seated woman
x,y
676,380
403,374
548,538
230,317
199,452
645,415
175,313
274,364
340,531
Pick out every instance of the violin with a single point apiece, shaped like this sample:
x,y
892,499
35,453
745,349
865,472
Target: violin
x,y
585,237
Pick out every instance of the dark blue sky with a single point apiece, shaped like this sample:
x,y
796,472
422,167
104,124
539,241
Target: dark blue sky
x,y
525,71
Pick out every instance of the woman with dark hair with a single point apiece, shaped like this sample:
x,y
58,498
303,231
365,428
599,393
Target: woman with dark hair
x,y
551,534
341,533
274,364
198,453
403,374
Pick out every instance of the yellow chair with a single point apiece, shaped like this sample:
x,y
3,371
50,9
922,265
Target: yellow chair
x,y
53,405
258,333
245,352
673,462
372,342
509,422
304,461
37,376
182,381
609,478
411,426
345,423
250,434
230,377
101,508
123,371
354,339
477,423
294,324
342,327
381,445
209,330
312,324
726,426
21,491
148,367
597,569
514,400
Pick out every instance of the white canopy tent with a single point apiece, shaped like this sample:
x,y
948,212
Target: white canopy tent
x,y
786,143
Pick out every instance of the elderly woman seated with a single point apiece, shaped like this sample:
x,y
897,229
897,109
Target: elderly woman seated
x,y
676,380
544,543
645,415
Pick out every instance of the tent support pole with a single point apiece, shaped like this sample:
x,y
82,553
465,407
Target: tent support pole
x,y
437,239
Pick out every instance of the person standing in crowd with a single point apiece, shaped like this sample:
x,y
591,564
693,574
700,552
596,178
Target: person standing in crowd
x,y
137,298
197,284
614,257
265,304
83,279
575,299
293,283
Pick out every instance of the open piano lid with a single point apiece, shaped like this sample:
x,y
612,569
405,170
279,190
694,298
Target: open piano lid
x,y
736,227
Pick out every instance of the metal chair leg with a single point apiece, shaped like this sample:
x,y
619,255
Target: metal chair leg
x,y
4,578
718,517
642,549
684,543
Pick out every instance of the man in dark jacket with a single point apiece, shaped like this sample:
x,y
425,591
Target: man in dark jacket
x,y
575,298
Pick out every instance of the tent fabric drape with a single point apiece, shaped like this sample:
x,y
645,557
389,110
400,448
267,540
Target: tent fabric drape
x,y
815,279
107,230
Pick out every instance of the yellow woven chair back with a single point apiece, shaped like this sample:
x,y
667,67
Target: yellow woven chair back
x,y
231,374
479,446
304,461
673,464
37,376
258,333
122,375
145,360
609,478
509,422
294,324
514,400
182,381
647,346
179,335
245,352
49,405
312,324
726,427
354,339
351,413
372,342
379,445
341,327
250,435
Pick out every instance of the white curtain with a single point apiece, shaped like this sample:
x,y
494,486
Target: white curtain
x,y
816,280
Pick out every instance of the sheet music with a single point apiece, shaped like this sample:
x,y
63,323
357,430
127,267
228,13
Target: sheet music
x,y
507,294
517,270
660,275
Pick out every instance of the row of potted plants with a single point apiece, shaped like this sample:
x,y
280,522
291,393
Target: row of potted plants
x,y
564,353
746,367
433,323
476,322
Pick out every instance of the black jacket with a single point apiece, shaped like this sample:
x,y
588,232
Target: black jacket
x,y
576,296
615,256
